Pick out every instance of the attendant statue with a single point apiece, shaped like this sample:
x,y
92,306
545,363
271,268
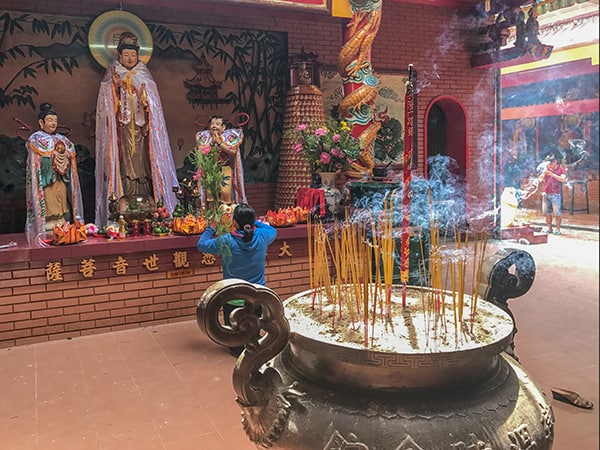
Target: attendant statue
x,y
227,141
52,188
133,153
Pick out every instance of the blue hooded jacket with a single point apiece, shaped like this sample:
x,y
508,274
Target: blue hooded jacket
x,y
247,260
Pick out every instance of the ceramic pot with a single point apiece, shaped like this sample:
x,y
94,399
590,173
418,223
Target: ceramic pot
x,y
299,392
331,192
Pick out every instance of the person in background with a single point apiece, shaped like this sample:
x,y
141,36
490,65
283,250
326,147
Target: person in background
x,y
243,252
52,188
133,153
553,176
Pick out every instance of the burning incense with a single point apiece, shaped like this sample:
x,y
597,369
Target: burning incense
x,y
478,264
387,247
351,273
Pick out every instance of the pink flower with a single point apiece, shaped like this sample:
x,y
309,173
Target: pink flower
x,y
197,175
336,152
298,147
205,150
301,127
320,131
325,158
335,138
90,228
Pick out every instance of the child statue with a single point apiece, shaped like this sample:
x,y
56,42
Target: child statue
x,y
228,142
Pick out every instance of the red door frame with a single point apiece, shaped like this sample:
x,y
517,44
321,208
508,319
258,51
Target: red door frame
x,y
457,143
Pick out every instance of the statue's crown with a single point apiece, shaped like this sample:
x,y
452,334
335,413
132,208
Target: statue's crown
x,y
128,40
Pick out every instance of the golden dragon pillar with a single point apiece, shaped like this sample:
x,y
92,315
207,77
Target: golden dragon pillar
x,y
360,82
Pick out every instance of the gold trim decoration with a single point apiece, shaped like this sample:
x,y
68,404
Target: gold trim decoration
x,y
103,36
317,5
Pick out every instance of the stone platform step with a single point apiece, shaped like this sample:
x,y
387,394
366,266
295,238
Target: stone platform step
x,y
524,234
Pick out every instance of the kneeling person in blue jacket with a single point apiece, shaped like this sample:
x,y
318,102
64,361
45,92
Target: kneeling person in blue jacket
x,y
243,252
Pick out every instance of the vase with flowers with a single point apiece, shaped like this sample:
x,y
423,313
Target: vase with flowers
x,y
330,149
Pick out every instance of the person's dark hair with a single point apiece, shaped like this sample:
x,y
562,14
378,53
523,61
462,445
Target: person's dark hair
x,y
245,217
553,157
216,116
46,110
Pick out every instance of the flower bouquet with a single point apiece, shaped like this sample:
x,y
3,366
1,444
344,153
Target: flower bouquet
x,y
329,147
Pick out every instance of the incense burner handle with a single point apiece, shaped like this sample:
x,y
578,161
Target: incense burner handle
x,y
263,337
509,273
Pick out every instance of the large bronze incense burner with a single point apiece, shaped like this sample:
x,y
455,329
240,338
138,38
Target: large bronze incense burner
x,y
300,388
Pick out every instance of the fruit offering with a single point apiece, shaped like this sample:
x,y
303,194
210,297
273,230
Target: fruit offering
x,y
160,229
161,211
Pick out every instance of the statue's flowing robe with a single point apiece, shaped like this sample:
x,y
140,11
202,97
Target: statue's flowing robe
x,y
119,117
42,172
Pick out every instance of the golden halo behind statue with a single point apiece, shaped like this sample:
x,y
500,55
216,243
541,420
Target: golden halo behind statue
x,y
103,36
528,123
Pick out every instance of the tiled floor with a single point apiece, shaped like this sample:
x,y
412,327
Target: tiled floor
x,y
169,387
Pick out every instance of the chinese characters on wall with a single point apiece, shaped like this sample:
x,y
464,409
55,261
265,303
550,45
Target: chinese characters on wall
x,y
87,266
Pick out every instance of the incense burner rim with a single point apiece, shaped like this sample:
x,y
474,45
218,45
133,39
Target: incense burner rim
x,y
494,346
339,363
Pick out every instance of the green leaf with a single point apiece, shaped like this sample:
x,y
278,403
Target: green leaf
x,y
66,65
56,67
29,72
40,26
55,29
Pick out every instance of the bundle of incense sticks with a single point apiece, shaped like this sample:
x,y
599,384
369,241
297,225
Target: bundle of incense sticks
x,y
346,268
447,274
387,249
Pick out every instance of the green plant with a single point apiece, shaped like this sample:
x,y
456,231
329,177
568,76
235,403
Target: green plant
x,y
389,142
208,172
328,148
